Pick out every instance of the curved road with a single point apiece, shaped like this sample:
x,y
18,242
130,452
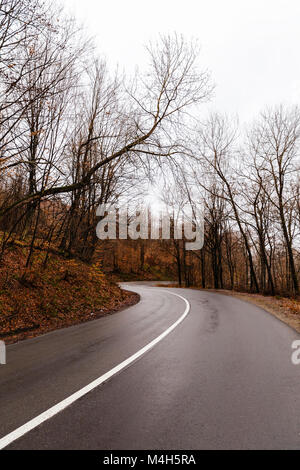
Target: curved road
x,y
222,379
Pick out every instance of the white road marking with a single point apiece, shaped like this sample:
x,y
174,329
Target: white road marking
x,y
27,427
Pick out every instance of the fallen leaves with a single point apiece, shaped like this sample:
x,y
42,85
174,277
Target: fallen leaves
x,y
67,292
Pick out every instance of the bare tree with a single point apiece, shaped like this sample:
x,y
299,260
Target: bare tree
x,y
216,152
275,146
171,86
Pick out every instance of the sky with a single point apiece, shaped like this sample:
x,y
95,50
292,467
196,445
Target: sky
x,y
251,47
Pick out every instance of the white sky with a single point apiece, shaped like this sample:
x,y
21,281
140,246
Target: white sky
x,y
252,47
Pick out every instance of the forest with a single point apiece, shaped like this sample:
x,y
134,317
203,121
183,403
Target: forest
x,y
75,134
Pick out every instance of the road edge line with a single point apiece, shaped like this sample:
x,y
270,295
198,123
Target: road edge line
x,y
54,410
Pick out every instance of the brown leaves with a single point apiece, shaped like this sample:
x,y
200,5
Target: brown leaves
x,y
35,133
37,300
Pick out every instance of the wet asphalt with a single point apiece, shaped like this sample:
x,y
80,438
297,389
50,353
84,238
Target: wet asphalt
x,y
223,379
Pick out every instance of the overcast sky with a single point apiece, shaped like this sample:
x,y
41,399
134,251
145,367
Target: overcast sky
x,y
252,47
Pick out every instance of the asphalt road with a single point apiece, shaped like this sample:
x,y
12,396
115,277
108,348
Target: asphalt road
x,y
223,379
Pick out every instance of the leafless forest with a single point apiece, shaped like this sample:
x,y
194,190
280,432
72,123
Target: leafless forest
x,y
74,134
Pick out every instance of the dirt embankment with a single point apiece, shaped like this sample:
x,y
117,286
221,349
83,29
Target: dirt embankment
x,y
64,293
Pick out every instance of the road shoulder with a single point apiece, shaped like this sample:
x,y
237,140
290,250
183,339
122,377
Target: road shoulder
x,y
285,309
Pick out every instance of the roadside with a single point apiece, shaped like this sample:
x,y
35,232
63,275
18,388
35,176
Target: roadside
x,y
285,309
62,293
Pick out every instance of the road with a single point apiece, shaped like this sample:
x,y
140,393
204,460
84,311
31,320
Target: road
x,y
222,379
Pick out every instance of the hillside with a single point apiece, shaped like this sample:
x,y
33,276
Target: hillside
x,y
40,299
